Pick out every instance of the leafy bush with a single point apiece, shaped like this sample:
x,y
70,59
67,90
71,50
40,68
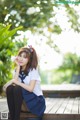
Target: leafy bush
x,y
71,63
6,50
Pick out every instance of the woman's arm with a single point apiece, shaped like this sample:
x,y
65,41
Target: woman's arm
x,y
29,87
17,69
16,73
14,77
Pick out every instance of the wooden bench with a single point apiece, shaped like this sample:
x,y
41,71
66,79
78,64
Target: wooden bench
x,y
57,109
61,91
62,103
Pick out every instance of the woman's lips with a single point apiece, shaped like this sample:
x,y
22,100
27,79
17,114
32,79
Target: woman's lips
x,y
20,62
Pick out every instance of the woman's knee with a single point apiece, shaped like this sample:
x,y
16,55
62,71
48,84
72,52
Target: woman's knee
x,y
9,89
17,88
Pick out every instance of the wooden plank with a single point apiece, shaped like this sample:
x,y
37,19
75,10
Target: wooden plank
x,y
75,106
61,94
56,106
50,103
79,105
61,117
68,108
3,105
63,106
61,91
61,87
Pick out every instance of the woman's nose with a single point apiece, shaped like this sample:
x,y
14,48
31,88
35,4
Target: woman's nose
x,y
21,58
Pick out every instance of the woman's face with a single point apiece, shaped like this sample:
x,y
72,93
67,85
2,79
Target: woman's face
x,y
22,59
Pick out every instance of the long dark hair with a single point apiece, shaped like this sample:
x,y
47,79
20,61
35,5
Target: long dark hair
x,y
31,55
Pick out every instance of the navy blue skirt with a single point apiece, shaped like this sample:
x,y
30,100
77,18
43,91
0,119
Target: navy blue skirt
x,y
35,104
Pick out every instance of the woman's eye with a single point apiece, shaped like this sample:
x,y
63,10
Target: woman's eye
x,y
25,57
19,56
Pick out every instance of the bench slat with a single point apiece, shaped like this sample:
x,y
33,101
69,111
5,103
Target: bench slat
x,y
56,106
69,106
50,104
75,106
63,106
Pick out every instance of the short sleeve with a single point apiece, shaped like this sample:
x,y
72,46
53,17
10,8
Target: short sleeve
x,y
34,75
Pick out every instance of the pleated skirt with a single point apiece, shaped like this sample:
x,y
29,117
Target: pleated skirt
x,y
36,104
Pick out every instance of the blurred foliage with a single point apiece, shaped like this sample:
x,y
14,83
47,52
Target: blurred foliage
x,y
17,11
6,50
60,77
67,72
44,77
71,65
70,62
33,14
56,77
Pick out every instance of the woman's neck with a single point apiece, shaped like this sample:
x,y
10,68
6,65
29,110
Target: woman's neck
x,y
23,67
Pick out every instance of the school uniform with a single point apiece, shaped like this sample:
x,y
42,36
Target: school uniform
x,y
34,100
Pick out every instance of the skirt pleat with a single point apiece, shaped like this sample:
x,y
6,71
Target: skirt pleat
x,y
35,104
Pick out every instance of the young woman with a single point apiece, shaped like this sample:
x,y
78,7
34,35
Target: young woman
x,y
25,85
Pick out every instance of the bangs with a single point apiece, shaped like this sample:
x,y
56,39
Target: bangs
x,y
27,53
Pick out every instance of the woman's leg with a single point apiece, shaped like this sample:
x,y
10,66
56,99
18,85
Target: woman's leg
x,y
10,101
14,100
18,99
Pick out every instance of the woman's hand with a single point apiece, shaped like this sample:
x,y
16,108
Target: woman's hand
x,y
7,84
16,61
17,69
16,82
